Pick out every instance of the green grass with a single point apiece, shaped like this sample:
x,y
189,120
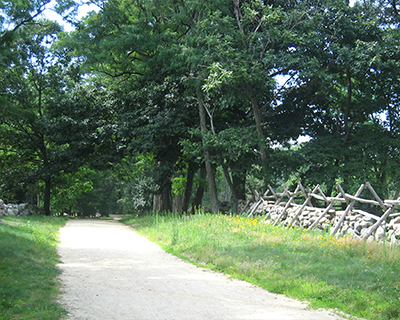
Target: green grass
x,y
28,285
359,278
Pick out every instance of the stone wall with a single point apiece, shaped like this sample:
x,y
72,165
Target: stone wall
x,y
14,209
357,223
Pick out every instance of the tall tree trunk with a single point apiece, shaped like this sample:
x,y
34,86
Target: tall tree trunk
x,y
177,202
157,203
189,186
230,183
47,195
258,120
181,201
239,181
238,186
177,205
162,202
200,190
212,188
47,178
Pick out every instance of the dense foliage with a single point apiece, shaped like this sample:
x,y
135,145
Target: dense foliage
x,y
148,104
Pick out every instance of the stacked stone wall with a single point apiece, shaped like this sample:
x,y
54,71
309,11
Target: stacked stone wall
x,y
14,209
356,223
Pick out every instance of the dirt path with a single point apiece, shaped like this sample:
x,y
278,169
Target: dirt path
x,y
110,272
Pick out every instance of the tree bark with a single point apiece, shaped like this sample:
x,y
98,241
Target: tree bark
x,y
238,186
189,187
200,190
258,120
229,180
47,195
162,202
212,188
47,178
177,206
157,203
239,181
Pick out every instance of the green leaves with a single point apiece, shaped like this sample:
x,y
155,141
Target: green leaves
x,y
217,76
144,61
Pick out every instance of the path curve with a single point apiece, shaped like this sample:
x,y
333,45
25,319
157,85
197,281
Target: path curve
x,y
111,272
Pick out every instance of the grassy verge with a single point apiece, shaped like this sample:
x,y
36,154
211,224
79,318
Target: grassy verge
x,y
356,277
28,288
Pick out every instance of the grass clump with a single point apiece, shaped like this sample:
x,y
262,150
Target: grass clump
x,y
28,258
356,277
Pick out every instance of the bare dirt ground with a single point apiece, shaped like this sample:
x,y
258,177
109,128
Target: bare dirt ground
x,y
111,272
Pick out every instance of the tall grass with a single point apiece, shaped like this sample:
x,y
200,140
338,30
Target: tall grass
x,y
356,277
28,255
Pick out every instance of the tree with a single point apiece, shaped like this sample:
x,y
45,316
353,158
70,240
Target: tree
x,y
195,73
48,128
15,15
29,85
341,85
144,58
155,119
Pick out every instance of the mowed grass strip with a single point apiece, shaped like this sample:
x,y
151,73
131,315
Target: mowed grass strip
x,y
359,278
28,258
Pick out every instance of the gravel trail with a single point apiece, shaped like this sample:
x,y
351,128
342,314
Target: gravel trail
x,y
111,272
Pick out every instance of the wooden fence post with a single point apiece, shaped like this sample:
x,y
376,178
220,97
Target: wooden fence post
x,y
342,192
291,197
372,190
258,203
303,206
348,209
304,192
321,216
379,222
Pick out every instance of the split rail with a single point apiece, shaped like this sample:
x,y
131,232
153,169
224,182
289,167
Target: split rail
x,y
388,206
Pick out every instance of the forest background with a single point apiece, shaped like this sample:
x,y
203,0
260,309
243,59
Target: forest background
x,y
166,105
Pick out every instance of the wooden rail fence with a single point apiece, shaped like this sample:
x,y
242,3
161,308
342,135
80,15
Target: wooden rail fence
x,y
300,193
